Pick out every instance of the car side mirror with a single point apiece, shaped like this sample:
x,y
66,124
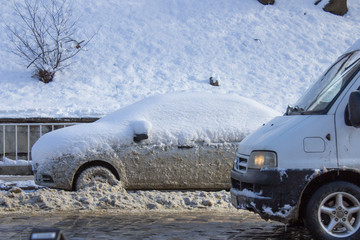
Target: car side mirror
x,y
140,137
354,109
141,129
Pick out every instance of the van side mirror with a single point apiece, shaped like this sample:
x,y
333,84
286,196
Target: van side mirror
x,y
354,109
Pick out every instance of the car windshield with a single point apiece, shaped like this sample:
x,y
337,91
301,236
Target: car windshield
x,y
319,98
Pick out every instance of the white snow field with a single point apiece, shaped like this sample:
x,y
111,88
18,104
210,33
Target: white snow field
x,y
146,47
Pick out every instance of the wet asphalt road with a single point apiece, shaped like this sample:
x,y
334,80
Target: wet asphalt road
x,y
150,225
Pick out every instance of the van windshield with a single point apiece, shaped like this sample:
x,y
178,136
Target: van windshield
x,y
319,98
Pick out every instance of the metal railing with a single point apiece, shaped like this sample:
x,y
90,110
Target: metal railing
x,y
18,138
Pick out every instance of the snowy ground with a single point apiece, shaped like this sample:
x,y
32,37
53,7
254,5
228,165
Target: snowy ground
x,y
98,197
145,47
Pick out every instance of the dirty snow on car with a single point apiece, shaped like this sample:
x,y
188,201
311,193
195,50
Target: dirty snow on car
x,y
173,141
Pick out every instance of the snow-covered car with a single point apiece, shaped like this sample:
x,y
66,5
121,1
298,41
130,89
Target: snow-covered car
x,y
172,141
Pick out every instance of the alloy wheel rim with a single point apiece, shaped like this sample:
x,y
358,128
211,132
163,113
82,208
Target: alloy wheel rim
x,y
339,214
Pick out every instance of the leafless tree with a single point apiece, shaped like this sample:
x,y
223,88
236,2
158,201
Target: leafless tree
x,y
44,36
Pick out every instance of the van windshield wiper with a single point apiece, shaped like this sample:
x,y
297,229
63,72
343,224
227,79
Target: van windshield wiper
x,y
295,110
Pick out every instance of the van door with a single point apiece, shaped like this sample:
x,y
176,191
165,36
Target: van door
x,y
348,137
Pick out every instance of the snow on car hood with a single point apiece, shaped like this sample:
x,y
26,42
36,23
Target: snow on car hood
x,y
174,118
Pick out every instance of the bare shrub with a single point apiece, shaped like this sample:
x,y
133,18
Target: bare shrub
x,y
44,36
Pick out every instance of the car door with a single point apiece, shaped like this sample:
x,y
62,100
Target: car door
x,y
152,166
215,163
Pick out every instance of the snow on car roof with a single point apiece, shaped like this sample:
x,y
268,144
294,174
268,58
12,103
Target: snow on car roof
x,y
174,118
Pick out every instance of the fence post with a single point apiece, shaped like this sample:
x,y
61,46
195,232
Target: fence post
x,y
28,142
16,143
4,144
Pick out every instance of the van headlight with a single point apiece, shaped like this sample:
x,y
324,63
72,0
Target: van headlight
x,y
262,159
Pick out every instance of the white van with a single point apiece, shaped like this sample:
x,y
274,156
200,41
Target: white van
x,y
304,166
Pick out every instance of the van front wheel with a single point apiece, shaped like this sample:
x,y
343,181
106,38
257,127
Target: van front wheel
x,y
333,212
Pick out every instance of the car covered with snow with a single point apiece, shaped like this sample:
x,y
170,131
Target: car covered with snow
x,y
173,141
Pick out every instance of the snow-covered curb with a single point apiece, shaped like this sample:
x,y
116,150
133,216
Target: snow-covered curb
x,y
9,162
24,182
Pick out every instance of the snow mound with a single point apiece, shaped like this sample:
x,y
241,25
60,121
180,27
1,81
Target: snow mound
x,y
101,196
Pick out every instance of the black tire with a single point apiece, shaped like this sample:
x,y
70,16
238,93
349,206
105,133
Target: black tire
x,y
95,173
333,212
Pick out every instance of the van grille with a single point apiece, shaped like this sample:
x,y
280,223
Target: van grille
x,y
240,164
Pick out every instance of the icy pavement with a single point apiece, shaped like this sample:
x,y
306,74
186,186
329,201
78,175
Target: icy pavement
x,y
149,225
101,211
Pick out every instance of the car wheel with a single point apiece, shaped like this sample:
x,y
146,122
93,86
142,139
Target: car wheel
x,y
333,212
95,174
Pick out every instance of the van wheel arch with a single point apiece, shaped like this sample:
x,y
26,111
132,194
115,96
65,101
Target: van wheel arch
x,y
95,163
350,176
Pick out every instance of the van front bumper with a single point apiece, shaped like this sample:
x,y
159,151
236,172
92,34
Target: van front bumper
x,y
273,194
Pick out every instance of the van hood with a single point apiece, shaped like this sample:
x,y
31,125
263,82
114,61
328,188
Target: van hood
x,y
298,140
271,135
